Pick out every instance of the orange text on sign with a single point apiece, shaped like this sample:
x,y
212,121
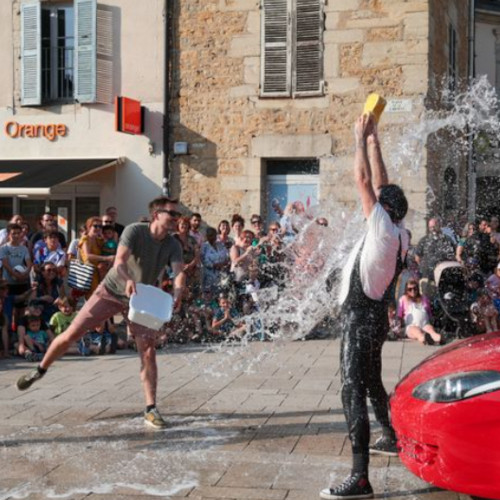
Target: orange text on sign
x,y
50,131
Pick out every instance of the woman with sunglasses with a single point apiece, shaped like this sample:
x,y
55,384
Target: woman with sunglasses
x,y
90,247
48,287
415,310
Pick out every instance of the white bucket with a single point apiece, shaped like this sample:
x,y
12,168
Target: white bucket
x,y
150,306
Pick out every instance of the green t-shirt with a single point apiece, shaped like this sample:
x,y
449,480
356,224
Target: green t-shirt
x,y
59,322
148,258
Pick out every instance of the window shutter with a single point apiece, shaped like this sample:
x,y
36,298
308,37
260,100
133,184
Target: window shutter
x,y
275,60
31,54
308,68
85,50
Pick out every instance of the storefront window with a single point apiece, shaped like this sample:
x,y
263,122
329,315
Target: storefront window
x,y
32,210
5,211
86,207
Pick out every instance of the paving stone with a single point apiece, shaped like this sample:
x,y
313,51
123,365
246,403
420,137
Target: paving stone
x,y
277,432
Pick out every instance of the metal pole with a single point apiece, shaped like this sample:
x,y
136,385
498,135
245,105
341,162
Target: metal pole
x,y
166,101
471,166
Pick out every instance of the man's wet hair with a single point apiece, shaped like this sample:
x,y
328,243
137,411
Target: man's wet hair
x,y
394,197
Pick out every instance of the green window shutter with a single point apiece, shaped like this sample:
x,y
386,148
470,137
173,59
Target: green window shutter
x,y
85,50
31,53
276,48
308,67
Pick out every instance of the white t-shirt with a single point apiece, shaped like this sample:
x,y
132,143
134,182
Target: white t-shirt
x,y
378,257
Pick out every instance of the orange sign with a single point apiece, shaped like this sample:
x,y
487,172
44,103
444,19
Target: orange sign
x,y
50,131
128,115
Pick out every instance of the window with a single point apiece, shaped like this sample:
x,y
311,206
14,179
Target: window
x,y
58,45
58,52
292,48
452,59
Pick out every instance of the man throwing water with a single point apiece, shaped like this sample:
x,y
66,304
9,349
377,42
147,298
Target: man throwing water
x,y
368,278
145,249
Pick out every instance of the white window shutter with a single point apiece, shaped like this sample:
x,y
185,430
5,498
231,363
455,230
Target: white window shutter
x,y
276,48
85,50
308,67
31,53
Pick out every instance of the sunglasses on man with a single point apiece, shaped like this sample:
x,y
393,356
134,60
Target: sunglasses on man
x,y
172,213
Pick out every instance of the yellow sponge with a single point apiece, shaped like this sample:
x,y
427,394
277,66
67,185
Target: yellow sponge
x,y
375,104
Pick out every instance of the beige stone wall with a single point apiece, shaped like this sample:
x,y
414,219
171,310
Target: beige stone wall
x,y
369,45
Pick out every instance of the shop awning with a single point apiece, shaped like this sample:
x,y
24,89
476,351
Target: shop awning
x,y
37,177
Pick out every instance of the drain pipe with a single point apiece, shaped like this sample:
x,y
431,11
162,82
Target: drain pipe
x,y
166,100
471,166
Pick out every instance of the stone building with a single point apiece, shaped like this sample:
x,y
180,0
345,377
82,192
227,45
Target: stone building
x,y
487,151
260,96
265,95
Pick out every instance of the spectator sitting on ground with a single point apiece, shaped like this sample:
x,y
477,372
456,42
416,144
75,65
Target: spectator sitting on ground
x,y
226,323
484,313
63,318
395,324
103,339
415,311
47,288
35,341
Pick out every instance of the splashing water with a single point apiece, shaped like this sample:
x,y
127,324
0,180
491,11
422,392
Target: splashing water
x,y
315,259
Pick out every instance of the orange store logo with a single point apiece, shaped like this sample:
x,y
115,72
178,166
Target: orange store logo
x,y
50,131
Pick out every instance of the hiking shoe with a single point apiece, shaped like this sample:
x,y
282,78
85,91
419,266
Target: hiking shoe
x,y
384,446
26,381
154,419
354,486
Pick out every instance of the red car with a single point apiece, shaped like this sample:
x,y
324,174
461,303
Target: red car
x,y
446,413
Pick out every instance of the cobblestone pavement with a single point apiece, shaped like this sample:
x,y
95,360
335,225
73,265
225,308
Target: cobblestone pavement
x,y
262,421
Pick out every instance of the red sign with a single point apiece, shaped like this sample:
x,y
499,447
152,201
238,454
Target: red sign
x,y
128,115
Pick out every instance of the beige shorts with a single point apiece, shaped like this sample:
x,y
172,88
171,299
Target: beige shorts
x,y
101,306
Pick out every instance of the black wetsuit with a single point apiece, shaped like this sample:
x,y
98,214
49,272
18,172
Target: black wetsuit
x,y
364,329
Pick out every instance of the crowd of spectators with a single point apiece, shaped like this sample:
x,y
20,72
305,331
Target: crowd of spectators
x,y
419,307
227,268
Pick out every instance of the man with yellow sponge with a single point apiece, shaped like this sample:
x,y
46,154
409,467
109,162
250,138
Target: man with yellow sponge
x,y
367,280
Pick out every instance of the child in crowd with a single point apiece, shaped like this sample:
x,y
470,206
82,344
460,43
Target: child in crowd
x,y
60,320
108,248
484,313
226,322
36,340
35,308
103,339
395,327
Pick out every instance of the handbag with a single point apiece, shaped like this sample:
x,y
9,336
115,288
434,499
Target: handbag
x,y
80,275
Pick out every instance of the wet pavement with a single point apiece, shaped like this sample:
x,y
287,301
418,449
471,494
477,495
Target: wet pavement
x,y
262,421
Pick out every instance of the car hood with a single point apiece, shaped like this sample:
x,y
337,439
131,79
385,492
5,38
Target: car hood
x,y
476,353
